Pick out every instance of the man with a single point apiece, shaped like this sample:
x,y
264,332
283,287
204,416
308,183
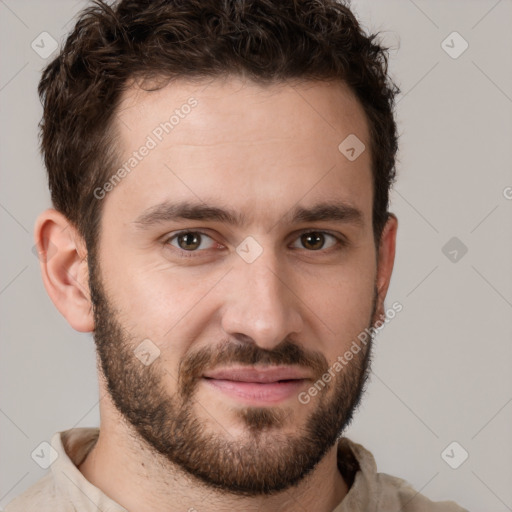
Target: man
x,y
220,175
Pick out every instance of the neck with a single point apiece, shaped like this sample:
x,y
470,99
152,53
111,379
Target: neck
x,y
146,481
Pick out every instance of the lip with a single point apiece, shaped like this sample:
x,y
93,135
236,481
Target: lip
x,y
259,375
257,386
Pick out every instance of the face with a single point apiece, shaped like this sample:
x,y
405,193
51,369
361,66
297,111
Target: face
x,y
236,263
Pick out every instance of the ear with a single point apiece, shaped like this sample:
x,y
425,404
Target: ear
x,y
386,261
63,261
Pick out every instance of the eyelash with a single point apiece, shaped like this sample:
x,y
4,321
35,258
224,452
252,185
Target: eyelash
x,y
340,242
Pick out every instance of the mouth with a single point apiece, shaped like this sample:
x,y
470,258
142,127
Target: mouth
x,y
257,385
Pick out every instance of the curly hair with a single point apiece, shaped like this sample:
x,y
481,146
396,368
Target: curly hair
x,y
268,41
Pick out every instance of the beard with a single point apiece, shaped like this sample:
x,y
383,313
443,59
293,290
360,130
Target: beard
x,y
261,461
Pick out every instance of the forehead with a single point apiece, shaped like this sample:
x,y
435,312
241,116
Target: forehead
x,y
244,143
218,108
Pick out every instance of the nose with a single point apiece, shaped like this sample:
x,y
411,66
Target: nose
x,y
260,303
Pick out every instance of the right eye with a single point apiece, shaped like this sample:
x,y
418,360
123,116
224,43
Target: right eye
x,y
189,241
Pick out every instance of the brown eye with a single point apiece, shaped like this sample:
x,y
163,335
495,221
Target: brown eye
x,y
189,241
315,240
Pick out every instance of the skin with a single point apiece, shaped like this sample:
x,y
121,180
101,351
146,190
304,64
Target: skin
x,y
261,151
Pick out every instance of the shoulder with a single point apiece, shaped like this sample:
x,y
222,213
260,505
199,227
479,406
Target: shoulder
x,y
394,490
381,491
54,492
40,497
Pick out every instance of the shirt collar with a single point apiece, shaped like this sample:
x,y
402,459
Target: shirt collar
x,y
72,447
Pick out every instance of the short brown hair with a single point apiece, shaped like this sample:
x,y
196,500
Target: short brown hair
x,y
268,41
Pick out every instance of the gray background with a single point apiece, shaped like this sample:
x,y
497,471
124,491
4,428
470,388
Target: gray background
x,y
441,368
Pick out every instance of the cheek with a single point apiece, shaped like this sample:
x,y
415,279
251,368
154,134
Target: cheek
x,y
343,306
169,307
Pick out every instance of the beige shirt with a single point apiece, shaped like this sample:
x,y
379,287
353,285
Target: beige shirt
x,y
65,489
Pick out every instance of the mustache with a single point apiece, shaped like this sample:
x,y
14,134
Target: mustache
x,y
192,367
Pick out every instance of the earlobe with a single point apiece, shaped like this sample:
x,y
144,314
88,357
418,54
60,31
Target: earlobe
x,y
387,247
63,261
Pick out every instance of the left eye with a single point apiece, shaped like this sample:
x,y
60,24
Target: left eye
x,y
316,240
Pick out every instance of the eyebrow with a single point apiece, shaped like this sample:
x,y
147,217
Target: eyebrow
x,y
172,211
